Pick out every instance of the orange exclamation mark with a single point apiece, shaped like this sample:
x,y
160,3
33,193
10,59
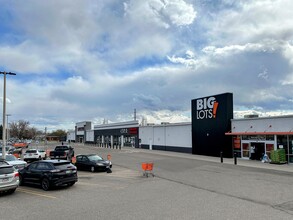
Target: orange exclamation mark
x,y
215,109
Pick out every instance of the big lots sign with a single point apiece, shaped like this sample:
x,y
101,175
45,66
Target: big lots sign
x,y
210,120
206,108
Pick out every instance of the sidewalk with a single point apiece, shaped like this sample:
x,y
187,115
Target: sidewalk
x,y
240,161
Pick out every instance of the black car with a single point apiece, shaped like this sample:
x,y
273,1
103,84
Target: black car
x,y
49,173
92,162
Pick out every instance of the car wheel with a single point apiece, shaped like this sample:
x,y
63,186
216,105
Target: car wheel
x,y
40,158
92,169
45,184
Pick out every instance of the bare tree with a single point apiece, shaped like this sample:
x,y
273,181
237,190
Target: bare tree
x,y
21,130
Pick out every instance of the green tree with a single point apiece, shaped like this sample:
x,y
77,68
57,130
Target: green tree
x,y
58,133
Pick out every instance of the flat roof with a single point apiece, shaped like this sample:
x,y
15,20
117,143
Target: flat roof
x,y
260,118
260,133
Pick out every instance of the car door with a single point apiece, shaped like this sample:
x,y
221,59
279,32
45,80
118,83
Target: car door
x,y
42,169
30,175
87,163
78,162
83,162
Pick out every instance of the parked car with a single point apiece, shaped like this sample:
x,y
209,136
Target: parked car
x,y
32,154
43,153
12,160
49,173
9,177
17,152
20,144
6,149
92,162
65,152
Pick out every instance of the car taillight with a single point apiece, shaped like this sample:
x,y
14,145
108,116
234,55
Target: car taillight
x,y
16,174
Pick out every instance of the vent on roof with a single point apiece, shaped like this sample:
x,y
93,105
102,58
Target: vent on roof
x,y
251,116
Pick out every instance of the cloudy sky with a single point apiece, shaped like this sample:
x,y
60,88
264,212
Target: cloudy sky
x,y
86,60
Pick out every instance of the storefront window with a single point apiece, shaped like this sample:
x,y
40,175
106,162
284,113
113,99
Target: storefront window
x,y
269,148
245,150
270,137
285,142
244,137
282,142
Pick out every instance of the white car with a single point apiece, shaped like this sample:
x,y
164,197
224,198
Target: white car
x,y
9,177
33,154
43,153
12,160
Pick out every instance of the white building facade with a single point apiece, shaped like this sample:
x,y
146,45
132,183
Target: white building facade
x,y
263,134
168,137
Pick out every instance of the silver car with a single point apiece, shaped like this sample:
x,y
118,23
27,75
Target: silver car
x,y
9,177
12,160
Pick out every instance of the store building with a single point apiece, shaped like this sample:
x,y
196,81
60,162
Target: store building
x,y
71,136
212,132
252,137
117,135
80,131
166,136
210,121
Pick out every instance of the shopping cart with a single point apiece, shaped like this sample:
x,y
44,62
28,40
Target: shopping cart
x,y
147,168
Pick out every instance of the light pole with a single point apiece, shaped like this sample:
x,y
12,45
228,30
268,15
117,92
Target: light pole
x,y
7,129
4,113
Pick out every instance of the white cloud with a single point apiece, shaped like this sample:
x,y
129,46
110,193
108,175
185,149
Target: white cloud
x,y
161,12
95,60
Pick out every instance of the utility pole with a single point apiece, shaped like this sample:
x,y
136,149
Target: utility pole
x,y
7,129
45,135
135,114
4,114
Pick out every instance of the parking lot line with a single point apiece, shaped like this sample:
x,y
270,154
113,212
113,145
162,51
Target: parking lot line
x,y
92,184
35,193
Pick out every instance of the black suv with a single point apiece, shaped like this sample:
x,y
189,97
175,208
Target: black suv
x,y
49,173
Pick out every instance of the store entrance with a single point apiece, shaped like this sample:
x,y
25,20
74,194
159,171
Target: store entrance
x,y
259,150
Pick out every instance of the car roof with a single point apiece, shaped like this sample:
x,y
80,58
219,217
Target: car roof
x,y
51,161
88,155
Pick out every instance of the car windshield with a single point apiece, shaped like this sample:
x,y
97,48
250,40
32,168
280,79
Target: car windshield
x,y
10,157
41,151
63,166
31,151
95,157
61,148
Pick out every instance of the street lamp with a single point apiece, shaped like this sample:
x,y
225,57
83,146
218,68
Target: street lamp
x,y
4,113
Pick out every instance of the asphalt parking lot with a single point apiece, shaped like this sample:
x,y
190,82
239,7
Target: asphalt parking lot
x,y
183,188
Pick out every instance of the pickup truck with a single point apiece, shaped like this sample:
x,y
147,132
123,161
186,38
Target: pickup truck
x,y
62,152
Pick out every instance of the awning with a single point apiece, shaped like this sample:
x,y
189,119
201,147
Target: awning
x,y
261,133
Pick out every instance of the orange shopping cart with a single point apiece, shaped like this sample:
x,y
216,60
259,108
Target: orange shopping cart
x,y
147,168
